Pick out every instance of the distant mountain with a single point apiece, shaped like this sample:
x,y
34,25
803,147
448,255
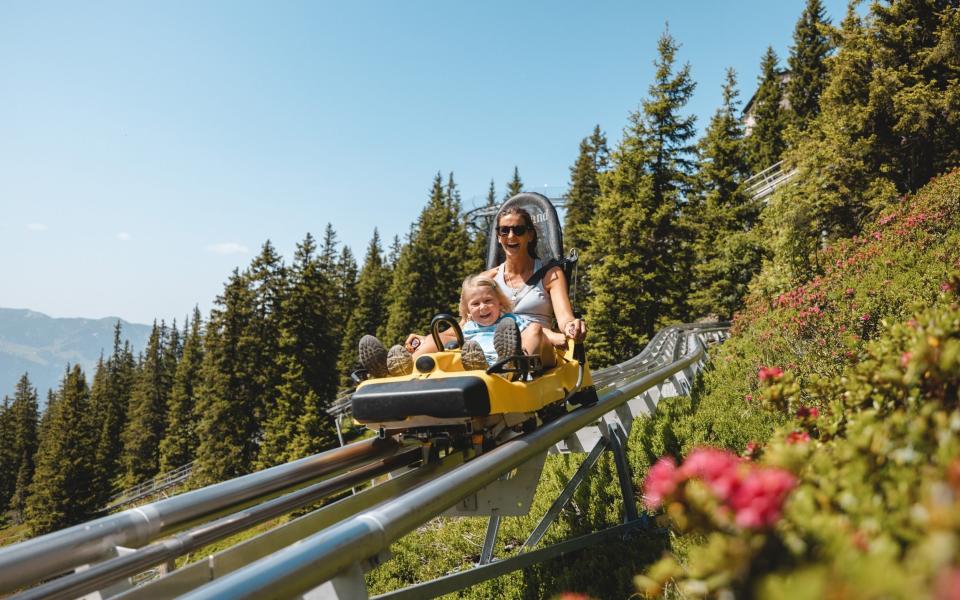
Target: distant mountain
x,y
32,342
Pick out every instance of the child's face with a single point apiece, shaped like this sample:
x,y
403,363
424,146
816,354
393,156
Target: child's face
x,y
483,305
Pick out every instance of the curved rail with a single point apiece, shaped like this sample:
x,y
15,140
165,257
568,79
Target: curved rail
x,y
318,558
359,532
109,571
54,553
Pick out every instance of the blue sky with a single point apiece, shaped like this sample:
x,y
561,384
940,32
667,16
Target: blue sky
x,y
147,149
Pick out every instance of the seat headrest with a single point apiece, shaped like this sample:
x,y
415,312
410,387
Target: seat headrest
x,y
545,219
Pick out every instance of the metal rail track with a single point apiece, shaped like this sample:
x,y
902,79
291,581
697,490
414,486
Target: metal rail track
x,y
54,553
339,537
108,572
340,549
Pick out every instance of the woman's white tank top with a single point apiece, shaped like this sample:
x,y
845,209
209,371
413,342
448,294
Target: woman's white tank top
x,y
533,302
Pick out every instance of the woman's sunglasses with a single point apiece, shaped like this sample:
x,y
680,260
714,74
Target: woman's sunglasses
x,y
518,230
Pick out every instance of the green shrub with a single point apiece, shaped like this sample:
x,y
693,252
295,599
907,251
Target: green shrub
x,y
839,384
817,329
876,510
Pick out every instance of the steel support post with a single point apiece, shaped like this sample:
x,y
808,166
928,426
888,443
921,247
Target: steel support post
x,y
493,527
564,496
618,443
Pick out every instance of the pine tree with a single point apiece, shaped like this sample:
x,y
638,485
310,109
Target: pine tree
x,y
172,352
25,419
584,189
307,354
915,88
581,203
147,415
394,253
429,270
808,63
100,402
61,493
346,283
283,422
726,255
9,461
765,142
479,233
268,281
515,185
636,255
885,127
370,309
110,401
180,439
228,394
389,267
98,393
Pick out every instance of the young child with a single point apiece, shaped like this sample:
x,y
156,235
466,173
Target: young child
x,y
490,333
485,319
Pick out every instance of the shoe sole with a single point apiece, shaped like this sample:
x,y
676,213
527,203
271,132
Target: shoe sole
x,y
506,339
399,362
373,356
472,357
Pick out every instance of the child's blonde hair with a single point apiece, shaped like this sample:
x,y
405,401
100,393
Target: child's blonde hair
x,y
479,282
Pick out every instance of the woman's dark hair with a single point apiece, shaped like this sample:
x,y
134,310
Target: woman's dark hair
x,y
527,220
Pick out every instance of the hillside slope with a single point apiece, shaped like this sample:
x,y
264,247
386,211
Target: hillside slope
x,y
896,268
841,396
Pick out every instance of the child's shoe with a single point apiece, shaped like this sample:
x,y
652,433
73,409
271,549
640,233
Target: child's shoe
x,y
472,357
399,361
373,356
506,339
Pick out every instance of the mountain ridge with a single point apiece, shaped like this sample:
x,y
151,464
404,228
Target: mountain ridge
x,y
42,346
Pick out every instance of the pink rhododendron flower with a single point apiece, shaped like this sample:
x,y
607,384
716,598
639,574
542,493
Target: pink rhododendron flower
x,y
953,474
947,586
864,317
717,468
860,541
770,373
750,495
905,359
661,481
798,437
748,397
758,500
805,412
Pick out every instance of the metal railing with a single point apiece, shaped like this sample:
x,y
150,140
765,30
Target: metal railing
x,y
340,535
55,553
302,567
150,487
767,181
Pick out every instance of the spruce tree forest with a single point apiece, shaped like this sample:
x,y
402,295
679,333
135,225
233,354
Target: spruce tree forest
x,y
866,110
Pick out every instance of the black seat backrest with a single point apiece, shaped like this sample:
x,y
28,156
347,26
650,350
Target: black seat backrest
x,y
545,219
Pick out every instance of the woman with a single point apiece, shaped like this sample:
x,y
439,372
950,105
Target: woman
x,y
542,302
